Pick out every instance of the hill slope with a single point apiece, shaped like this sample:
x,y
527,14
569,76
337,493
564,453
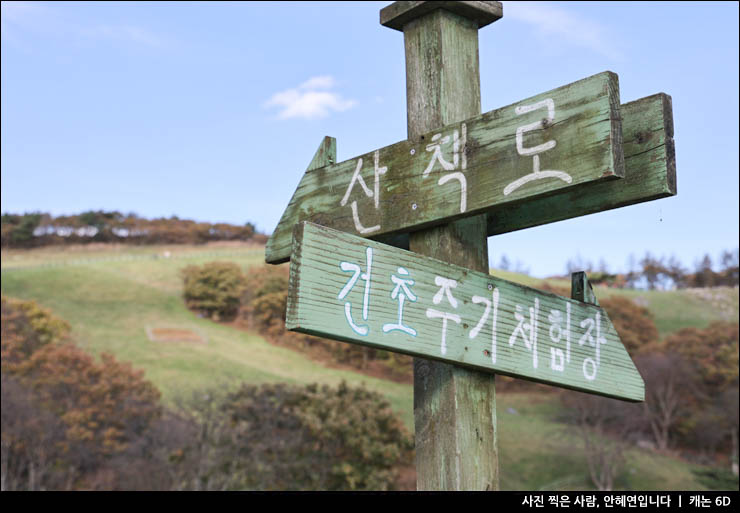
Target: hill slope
x,y
111,295
111,299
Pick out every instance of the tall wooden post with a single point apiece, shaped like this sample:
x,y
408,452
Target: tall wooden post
x,y
454,408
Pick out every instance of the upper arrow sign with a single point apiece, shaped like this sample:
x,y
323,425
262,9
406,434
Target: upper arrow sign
x,y
649,174
365,292
535,148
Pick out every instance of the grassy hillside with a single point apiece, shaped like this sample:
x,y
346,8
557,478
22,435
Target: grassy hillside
x,y
112,294
111,298
537,453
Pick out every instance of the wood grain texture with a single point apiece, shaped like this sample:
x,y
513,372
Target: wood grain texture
x,y
650,173
399,14
325,154
454,408
585,130
490,310
581,290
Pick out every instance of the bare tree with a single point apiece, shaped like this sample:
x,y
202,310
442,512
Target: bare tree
x,y
727,405
603,425
668,383
31,455
653,270
729,267
704,275
633,273
676,272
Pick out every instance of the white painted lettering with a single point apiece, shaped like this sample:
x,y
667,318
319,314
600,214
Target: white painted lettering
x,y
534,151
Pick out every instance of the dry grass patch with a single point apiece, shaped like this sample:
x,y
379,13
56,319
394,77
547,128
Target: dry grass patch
x,y
167,334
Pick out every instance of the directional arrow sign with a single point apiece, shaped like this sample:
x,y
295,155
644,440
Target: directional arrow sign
x,y
649,173
348,288
546,144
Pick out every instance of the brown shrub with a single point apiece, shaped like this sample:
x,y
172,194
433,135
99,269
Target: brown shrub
x,y
704,383
286,437
94,410
214,288
633,323
263,306
712,351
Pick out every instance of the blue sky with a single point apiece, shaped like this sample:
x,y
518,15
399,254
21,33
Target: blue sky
x,y
211,111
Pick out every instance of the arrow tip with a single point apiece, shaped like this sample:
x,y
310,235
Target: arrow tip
x,y
325,155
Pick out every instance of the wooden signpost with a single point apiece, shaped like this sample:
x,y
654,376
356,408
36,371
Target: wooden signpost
x,y
347,288
459,177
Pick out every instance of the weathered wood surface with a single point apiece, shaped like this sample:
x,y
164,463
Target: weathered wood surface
x,y
649,173
398,14
558,140
455,440
479,321
580,289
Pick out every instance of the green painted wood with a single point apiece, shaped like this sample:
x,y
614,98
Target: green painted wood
x,y
581,290
398,14
650,173
571,136
479,321
454,408
325,154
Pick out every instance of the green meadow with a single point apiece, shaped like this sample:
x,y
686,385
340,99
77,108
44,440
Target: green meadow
x,y
111,296
111,299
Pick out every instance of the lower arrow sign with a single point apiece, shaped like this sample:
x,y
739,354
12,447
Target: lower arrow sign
x,y
356,290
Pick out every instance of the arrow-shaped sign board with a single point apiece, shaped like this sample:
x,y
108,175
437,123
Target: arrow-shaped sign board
x,y
649,173
348,288
546,144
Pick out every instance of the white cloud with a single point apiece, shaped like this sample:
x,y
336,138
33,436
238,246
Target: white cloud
x,y
310,100
559,24
321,82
